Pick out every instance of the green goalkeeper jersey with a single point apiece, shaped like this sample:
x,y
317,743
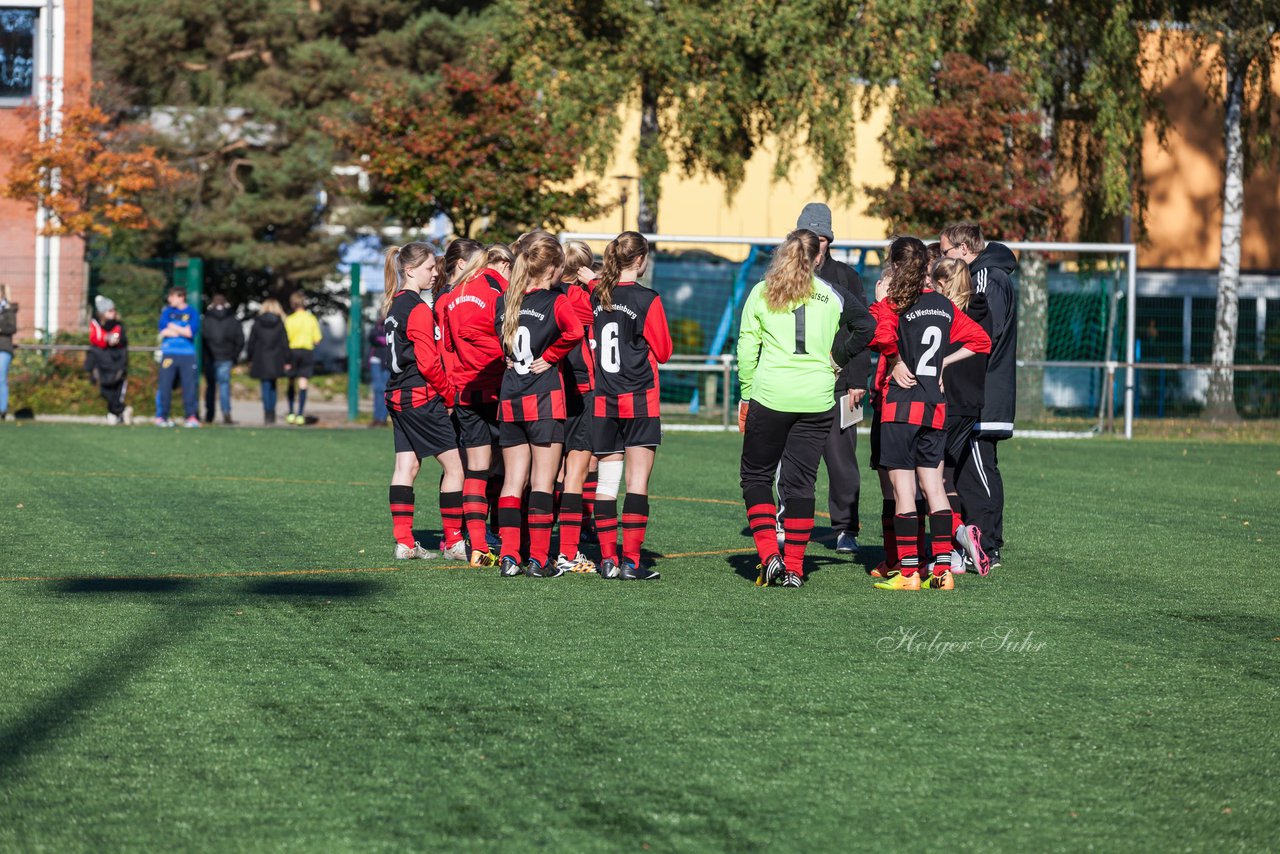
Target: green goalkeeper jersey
x,y
784,356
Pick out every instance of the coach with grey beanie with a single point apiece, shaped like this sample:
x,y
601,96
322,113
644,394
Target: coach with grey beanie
x,y
842,444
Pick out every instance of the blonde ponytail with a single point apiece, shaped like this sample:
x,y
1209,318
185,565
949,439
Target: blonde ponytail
x,y
789,279
623,251
541,255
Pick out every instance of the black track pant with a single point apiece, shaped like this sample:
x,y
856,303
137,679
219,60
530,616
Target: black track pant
x,y
981,490
843,479
794,439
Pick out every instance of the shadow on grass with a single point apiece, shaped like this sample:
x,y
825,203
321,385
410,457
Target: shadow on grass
x,y
123,585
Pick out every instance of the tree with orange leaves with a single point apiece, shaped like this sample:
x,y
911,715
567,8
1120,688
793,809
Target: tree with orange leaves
x,y
82,175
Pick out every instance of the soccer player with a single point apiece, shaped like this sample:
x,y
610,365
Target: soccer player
x,y
578,381
991,265
631,339
539,327
304,334
787,376
476,365
179,325
918,331
419,397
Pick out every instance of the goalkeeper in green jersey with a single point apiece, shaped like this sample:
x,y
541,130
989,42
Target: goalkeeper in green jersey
x,y
787,371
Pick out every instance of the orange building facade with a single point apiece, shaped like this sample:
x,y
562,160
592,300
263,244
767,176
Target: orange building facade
x,y
45,57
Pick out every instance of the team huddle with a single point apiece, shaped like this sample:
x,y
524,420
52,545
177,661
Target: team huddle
x,y
533,380
527,351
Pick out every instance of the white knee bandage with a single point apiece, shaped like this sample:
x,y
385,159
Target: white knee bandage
x,y
608,478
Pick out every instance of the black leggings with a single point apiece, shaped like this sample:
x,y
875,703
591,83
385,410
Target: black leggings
x,y
795,439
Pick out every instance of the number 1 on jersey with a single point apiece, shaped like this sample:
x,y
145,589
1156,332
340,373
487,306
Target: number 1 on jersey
x,y
799,313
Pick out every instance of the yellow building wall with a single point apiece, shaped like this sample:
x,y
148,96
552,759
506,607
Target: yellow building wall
x,y
762,207
1184,186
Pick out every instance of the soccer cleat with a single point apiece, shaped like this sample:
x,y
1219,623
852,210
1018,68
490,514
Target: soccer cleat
x,y
994,556
939,582
897,581
846,543
771,571
533,569
416,550
492,540
578,564
792,579
113,419
969,538
480,559
551,569
191,423
457,551
127,417
609,568
509,567
957,562
881,570
631,572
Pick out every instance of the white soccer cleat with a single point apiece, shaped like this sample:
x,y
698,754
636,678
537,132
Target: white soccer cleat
x,y
404,552
578,564
457,551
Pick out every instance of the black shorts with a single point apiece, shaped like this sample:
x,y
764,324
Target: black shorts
x,y
302,363
615,435
476,426
545,431
910,446
577,427
425,430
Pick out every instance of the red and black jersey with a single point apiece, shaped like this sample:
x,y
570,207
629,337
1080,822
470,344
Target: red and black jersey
x,y
448,357
629,342
578,364
417,374
921,336
549,329
476,361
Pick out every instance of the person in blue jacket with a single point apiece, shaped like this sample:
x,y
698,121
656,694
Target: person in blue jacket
x,y
179,325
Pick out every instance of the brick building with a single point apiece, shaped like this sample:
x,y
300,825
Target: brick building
x,y
45,55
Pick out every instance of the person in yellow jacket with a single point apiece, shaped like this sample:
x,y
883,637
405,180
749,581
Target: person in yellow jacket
x,y
304,334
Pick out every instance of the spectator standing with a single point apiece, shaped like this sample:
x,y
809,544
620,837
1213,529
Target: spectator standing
x,y
108,359
268,354
8,328
179,325
223,340
379,372
990,265
304,334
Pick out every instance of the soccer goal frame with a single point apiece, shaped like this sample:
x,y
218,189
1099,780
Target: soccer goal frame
x,y
1127,252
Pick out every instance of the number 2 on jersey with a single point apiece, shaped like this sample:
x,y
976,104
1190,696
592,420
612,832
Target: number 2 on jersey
x,y
931,334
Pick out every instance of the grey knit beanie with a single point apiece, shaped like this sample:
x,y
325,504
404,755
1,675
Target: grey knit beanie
x,y
817,218
102,304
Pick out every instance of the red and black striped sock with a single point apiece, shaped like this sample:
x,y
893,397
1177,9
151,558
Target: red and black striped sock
x,y
940,535
906,527
475,508
797,526
761,513
540,522
635,520
589,496
607,526
570,523
451,517
509,525
401,498
890,537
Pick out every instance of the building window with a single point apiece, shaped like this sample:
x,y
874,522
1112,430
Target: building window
x,y
18,28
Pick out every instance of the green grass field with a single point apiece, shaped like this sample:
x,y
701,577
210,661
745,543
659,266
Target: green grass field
x,y
207,646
